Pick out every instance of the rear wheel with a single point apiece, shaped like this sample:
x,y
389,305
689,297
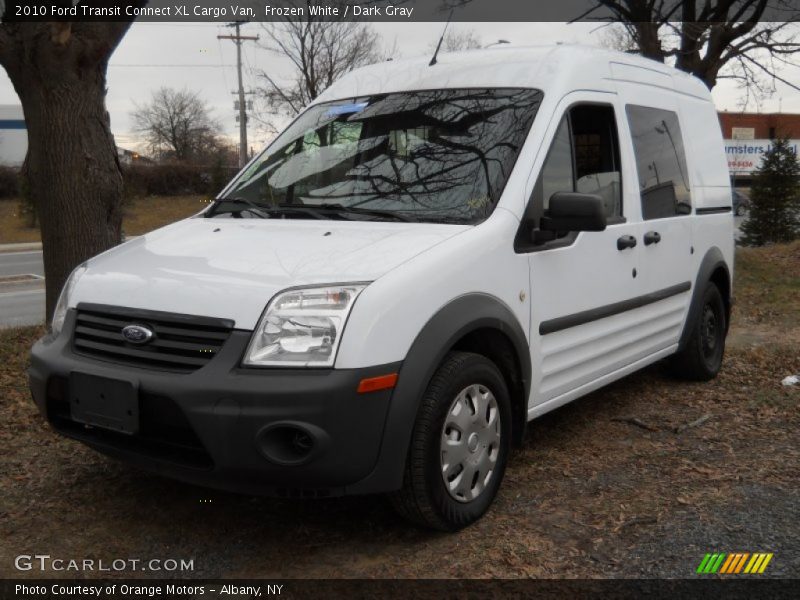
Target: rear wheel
x,y
701,359
459,446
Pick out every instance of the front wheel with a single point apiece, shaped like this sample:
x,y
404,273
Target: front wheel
x,y
701,359
459,446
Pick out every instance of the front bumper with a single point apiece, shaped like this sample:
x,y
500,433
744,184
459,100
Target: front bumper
x,y
217,426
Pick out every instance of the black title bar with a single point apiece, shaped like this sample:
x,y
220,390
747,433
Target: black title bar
x,y
400,11
354,589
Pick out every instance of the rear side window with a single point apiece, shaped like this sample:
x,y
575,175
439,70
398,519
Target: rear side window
x,y
660,162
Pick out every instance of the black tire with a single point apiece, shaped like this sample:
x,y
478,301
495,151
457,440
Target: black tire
x,y
701,359
424,498
740,211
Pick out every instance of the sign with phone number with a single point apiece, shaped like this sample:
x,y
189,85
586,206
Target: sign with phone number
x,y
745,156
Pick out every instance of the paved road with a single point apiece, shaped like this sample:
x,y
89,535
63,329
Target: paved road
x,y
21,263
23,303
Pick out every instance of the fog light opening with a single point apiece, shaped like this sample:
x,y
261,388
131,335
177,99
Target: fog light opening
x,y
303,443
287,444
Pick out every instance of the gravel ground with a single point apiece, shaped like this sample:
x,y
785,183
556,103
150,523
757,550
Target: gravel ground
x,y
613,485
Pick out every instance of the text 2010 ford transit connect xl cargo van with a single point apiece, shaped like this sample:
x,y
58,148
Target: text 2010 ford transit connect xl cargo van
x,y
425,260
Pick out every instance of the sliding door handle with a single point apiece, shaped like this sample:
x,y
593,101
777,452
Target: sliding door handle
x,y
626,241
651,237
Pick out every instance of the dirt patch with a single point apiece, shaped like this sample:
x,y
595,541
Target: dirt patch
x,y
639,479
142,215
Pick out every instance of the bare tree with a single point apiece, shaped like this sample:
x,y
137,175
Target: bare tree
x,y
72,170
177,124
712,40
320,53
617,37
455,41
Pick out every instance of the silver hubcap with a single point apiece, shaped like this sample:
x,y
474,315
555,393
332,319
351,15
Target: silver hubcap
x,y
470,443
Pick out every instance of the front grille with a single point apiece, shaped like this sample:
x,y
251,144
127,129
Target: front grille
x,y
182,343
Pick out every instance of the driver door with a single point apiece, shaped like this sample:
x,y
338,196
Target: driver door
x,y
584,285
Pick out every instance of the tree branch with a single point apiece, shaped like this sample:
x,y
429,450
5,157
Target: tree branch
x,y
771,73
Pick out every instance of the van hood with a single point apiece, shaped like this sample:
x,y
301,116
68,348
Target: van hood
x,y
231,268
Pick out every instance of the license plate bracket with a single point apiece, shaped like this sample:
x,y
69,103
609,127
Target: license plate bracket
x,y
111,404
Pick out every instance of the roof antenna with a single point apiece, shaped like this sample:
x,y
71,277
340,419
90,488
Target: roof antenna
x,y
441,39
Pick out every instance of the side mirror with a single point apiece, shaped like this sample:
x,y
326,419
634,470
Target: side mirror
x,y
570,211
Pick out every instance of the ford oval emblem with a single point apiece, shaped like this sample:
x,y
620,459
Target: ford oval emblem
x,y
137,334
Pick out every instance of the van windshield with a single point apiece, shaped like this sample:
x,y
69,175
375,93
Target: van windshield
x,y
434,156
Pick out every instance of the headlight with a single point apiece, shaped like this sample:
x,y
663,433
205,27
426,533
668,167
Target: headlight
x,y
60,313
302,327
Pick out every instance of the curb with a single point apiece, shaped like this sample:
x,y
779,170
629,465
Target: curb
x,y
24,247
37,246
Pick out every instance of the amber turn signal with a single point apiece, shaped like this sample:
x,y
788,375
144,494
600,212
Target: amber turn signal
x,y
374,384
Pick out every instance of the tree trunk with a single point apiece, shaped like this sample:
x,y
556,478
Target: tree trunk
x,y
74,177
649,41
72,166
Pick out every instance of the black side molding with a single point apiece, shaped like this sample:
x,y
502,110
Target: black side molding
x,y
595,314
713,210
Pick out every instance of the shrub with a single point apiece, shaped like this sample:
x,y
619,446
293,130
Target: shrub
x,y
774,198
220,176
13,185
27,207
9,185
173,179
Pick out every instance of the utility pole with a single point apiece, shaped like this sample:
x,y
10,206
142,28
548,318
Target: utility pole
x,y
239,39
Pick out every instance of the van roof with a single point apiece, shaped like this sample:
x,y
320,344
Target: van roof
x,y
551,68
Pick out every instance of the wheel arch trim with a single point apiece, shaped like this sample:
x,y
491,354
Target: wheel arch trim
x,y
458,318
711,263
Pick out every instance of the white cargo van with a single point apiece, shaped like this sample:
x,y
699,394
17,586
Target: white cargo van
x,y
425,260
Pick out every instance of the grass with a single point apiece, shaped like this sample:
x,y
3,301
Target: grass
x,y
767,285
589,495
142,215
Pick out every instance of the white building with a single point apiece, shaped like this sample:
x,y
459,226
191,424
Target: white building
x,y
13,135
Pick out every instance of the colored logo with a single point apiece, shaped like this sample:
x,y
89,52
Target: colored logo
x,y
137,334
734,564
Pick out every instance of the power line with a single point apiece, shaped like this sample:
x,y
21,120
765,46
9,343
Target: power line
x,y
174,66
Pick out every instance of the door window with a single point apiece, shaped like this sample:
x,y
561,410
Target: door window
x,y
660,162
584,158
558,173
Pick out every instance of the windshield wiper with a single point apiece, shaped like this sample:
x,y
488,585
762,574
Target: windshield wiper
x,y
266,212
260,211
341,209
322,211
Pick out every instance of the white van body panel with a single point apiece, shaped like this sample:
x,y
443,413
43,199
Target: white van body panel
x,y
390,313
609,236
671,261
231,269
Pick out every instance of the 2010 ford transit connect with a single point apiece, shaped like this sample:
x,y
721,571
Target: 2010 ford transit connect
x,y
425,260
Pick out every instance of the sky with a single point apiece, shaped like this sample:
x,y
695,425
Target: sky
x,y
189,55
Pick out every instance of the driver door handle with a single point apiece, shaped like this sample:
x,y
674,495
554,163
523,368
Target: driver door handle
x,y
651,237
626,241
